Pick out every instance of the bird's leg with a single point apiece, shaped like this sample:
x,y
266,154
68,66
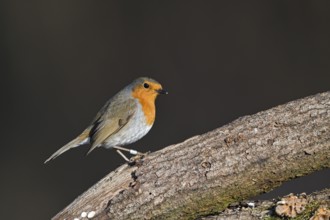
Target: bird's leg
x,y
133,161
131,151
123,155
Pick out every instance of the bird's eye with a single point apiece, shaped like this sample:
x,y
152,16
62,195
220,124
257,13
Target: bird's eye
x,y
146,85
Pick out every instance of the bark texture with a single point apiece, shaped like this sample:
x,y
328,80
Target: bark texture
x,y
255,210
204,174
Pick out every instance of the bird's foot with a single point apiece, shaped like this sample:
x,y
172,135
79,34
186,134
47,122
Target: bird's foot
x,y
138,159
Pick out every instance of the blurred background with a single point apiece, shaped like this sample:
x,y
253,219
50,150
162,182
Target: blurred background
x,y
219,60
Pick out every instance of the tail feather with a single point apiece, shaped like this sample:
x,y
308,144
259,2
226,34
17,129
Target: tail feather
x,y
83,138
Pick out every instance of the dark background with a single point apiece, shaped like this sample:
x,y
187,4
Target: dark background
x,y
61,60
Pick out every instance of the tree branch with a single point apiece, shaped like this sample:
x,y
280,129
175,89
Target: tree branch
x,y
204,174
255,210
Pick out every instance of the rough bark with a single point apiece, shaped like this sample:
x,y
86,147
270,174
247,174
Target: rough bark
x,y
254,210
204,174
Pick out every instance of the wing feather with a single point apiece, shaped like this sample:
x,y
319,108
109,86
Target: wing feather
x,y
111,120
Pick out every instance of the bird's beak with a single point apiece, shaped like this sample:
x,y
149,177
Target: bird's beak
x,y
161,91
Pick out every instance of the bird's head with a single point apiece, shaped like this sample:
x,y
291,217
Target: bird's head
x,y
147,89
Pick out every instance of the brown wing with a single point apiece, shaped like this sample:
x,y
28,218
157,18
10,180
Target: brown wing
x,y
110,120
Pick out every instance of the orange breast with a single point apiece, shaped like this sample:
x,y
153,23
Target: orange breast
x,y
147,101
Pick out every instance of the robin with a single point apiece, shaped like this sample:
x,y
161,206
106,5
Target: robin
x,y
124,119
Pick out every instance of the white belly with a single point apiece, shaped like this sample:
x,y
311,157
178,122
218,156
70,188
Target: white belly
x,y
134,130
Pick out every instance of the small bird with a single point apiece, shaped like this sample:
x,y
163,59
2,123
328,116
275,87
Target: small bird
x,y
124,119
